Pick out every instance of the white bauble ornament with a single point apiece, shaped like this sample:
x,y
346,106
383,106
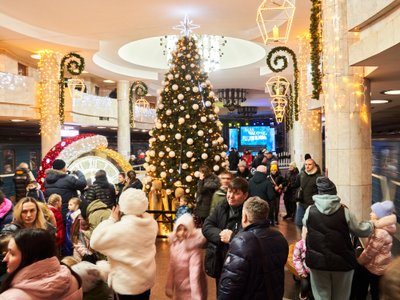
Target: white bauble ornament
x,y
179,54
187,116
168,149
166,90
211,117
182,108
196,56
192,65
214,142
206,145
189,154
152,153
161,138
158,125
164,125
147,159
185,166
203,85
153,168
184,48
208,103
181,121
203,119
204,156
175,87
190,44
188,55
168,112
188,77
200,133
189,141
223,154
171,125
178,183
171,154
216,168
168,191
197,174
163,174
183,67
171,171
161,154
189,178
162,164
210,131
170,76
193,159
224,164
195,89
216,109
220,140
180,97
187,89
194,126
195,106
175,101
211,94
178,136
217,157
177,75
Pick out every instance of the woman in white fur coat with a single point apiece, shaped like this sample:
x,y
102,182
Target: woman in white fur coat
x,y
186,278
128,238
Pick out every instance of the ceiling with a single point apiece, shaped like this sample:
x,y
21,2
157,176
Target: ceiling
x,y
99,31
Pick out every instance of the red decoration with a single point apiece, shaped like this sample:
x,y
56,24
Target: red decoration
x,y
47,161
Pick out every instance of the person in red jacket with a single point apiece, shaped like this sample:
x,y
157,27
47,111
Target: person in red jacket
x,y
54,204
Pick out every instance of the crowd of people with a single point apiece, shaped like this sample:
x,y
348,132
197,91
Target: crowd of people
x,y
80,241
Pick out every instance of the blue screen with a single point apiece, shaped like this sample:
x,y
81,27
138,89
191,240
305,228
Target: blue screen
x,y
233,138
258,136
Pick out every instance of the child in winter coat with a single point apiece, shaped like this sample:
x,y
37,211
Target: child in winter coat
x,y
54,204
299,261
73,213
376,255
186,278
32,190
183,208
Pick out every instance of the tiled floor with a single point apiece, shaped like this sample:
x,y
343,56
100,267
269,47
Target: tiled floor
x,y
287,228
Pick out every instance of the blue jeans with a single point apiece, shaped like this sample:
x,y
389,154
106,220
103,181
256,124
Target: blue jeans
x,y
298,220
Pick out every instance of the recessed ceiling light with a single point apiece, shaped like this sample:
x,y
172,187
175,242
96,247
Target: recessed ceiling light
x,y
108,81
114,128
144,130
380,101
17,120
85,72
36,56
101,127
391,92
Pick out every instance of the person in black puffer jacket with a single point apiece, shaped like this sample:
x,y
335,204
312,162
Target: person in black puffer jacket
x,y
101,190
59,182
132,181
254,265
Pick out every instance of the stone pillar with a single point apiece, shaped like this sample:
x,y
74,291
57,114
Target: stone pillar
x,y
50,129
347,114
306,136
124,129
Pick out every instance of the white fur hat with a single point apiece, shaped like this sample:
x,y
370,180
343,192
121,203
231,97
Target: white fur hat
x,y
133,202
89,273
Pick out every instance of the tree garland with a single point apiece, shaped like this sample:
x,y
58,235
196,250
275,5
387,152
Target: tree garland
x,y
315,43
273,65
138,88
75,65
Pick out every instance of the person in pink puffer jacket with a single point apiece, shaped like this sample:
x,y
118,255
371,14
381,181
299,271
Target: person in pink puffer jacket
x,y
186,278
299,261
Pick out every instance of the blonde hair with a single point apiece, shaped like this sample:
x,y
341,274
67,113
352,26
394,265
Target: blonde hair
x,y
40,221
53,199
76,200
390,281
47,213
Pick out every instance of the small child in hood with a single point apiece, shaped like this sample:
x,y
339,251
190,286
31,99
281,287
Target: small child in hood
x,y
299,261
73,213
186,278
33,191
377,255
183,208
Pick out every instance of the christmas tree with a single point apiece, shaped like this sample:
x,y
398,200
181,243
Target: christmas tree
x,y
187,132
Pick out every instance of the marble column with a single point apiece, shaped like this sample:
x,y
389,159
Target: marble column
x,y
124,129
50,129
306,136
347,113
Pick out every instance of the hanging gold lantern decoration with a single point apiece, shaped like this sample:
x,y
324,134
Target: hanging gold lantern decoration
x,y
76,88
141,106
278,86
274,19
279,106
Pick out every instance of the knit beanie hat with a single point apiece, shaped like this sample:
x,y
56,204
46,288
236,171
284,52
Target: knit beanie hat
x,y
242,163
274,167
133,202
382,209
325,186
293,164
58,164
307,156
262,169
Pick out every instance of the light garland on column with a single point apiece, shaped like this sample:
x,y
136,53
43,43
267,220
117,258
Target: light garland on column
x,y
48,92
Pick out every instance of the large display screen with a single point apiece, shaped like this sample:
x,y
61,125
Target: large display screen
x,y
263,136
233,138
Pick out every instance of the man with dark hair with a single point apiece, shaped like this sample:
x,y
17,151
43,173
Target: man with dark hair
x,y
101,190
22,177
222,225
254,265
233,159
58,181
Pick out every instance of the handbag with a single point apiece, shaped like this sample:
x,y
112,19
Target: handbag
x,y
212,263
299,195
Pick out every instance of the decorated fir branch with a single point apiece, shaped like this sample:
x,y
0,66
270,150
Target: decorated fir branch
x,y
273,60
137,89
315,43
75,64
187,132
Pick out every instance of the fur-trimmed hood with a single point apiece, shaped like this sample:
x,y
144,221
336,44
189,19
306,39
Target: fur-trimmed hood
x,y
53,175
195,237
